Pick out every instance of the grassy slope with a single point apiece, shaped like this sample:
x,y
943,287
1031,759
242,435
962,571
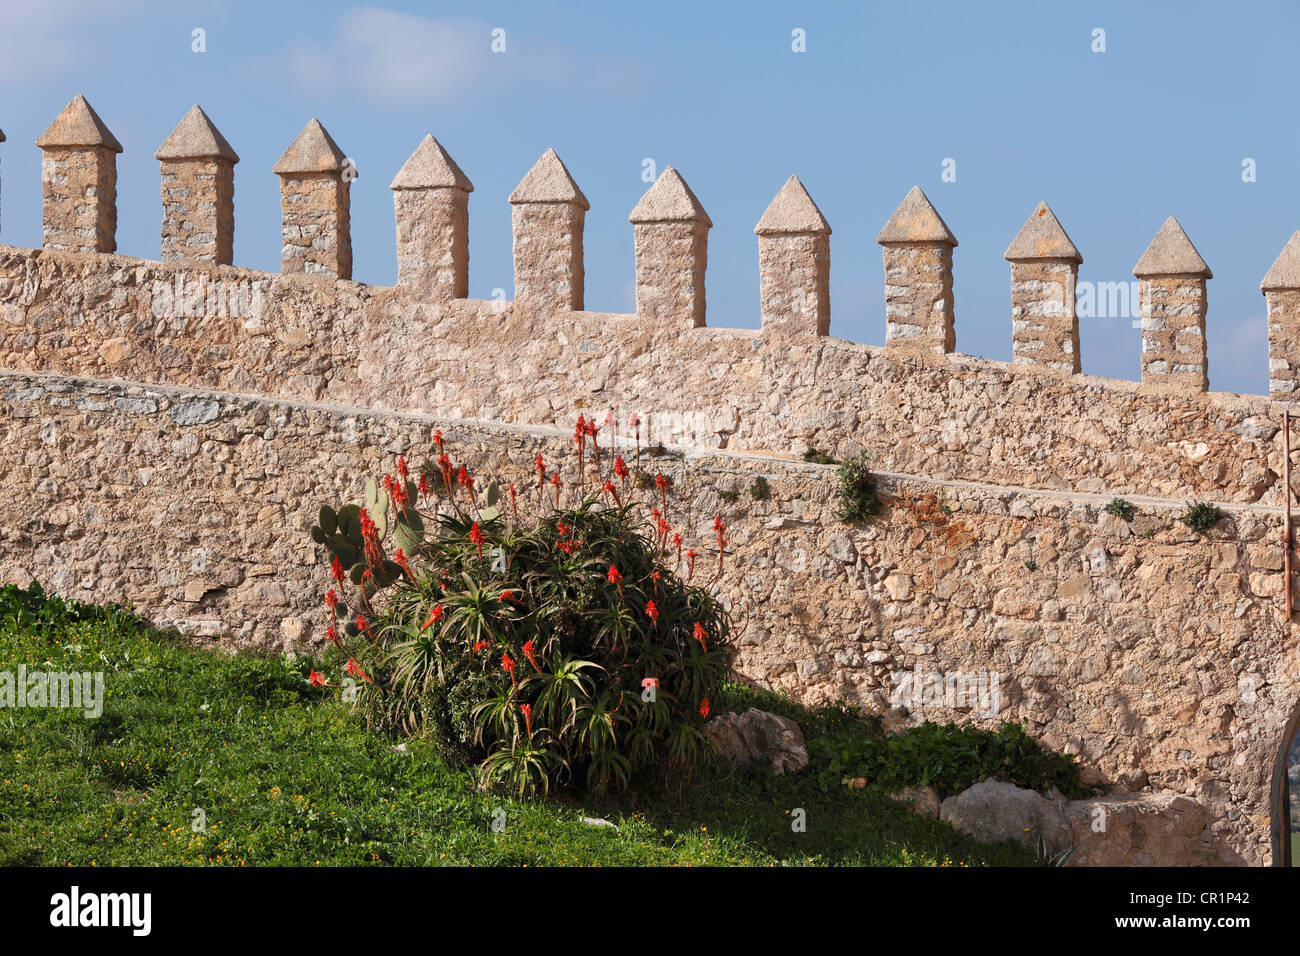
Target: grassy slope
x,y
285,775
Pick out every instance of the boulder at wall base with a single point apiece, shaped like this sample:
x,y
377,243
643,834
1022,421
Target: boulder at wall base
x,y
1124,829
920,800
757,735
993,811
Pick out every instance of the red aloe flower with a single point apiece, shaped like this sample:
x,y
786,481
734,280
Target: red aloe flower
x,y
333,635
652,612
662,484
614,575
612,491
620,468
677,540
508,666
423,486
691,555
514,505
527,711
336,570
437,438
654,581
402,469
704,707
506,595
331,600
404,564
476,536
481,646
555,480
355,670
363,627
532,659
435,616
699,635
539,466
316,679
650,682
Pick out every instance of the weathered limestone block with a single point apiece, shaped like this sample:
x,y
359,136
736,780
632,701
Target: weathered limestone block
x,y
1281,288
757,735
198,192
918,277
79,181
1044,318
431,206
548,214
670,237
1171,287
794,263
315,205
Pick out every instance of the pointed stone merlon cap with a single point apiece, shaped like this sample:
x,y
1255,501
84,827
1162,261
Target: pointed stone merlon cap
x,y
79,199
314,211
669,200
198,191
794,263
918,247
548,182
1042,237
916,220
670,246
78,125
429,167
792,210
1285,271
431,206
1280,285
195,138
1171,253
314,151
548,212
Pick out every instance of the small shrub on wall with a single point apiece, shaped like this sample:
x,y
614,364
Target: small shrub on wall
x,y
552,638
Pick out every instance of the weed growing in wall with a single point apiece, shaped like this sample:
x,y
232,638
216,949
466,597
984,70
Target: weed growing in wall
x,y
760,491
550,638
1121,508
818,457
1201,517
858,501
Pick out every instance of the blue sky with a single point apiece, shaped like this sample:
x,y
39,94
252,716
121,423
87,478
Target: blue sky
x,y
1115,142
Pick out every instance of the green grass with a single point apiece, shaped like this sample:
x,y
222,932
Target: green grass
x,y
286,775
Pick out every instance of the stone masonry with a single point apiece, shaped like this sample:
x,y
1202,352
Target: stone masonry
x,y
1044,270
431,205
794,262
1281,288
198,192
315,204
1171,287
79,181
918,277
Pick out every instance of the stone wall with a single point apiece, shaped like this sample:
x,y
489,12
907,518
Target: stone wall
x,y
1151,652
317,338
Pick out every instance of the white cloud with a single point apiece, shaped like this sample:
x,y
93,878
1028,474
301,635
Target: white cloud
x,y
398,59
39,37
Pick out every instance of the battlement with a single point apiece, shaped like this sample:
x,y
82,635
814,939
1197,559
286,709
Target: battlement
x,y
422,346
431,193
